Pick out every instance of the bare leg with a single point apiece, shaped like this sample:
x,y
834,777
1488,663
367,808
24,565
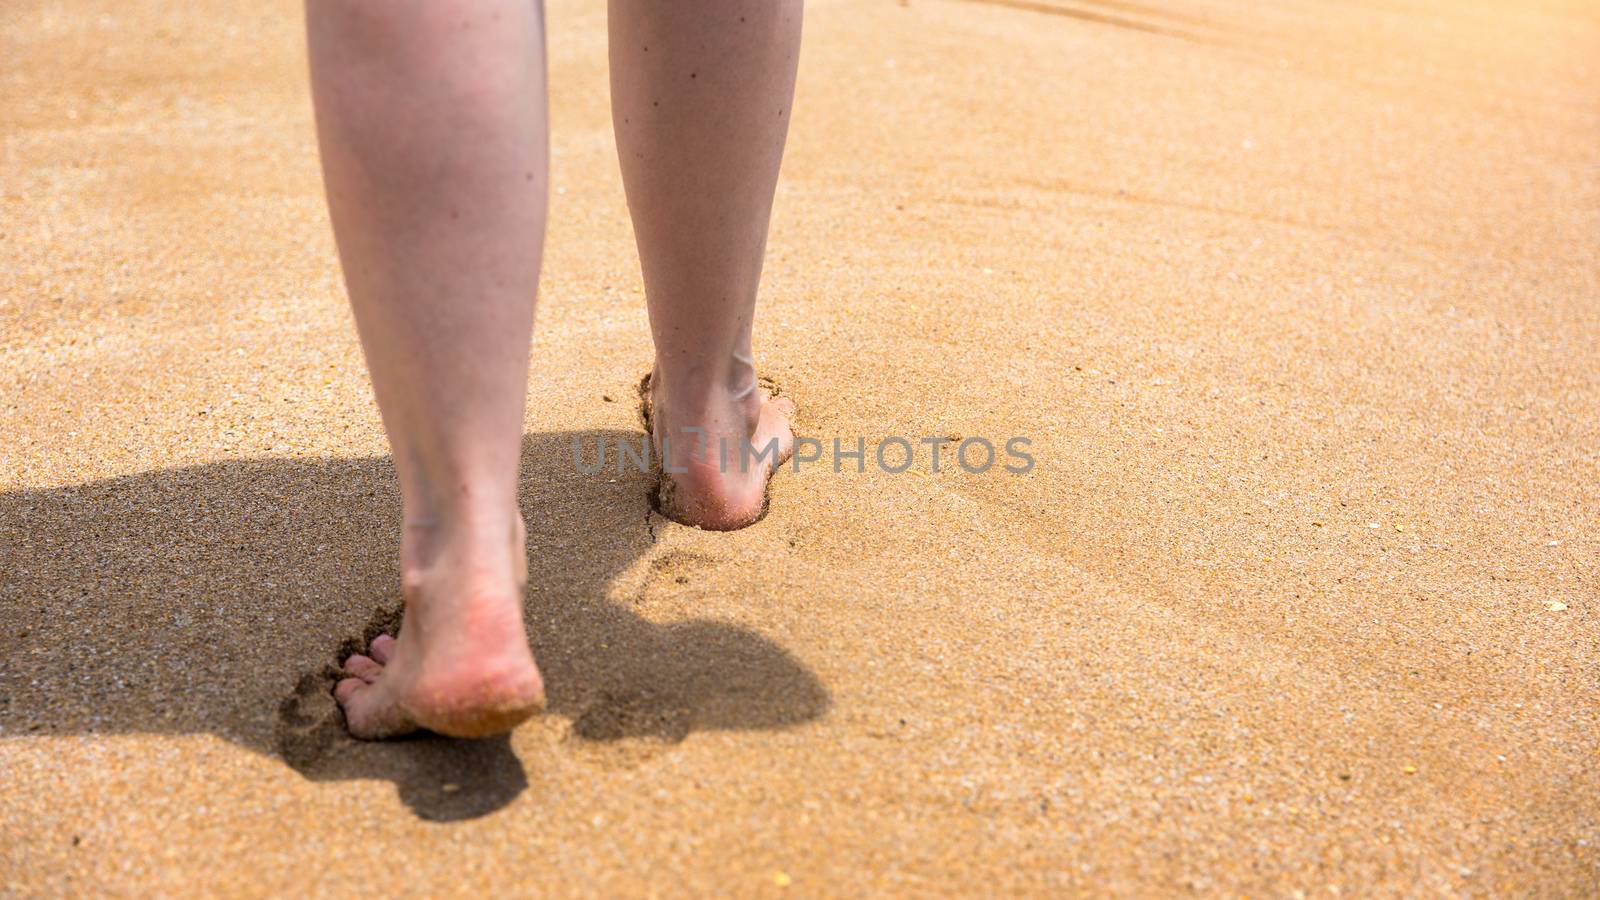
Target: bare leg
x,y
701,93
431,120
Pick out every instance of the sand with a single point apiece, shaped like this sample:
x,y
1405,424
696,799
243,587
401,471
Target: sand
x,y
1299,305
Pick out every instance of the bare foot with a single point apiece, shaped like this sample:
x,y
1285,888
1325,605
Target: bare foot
x,y
461,666
716,478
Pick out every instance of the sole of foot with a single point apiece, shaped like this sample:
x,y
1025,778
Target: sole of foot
x,y
478,681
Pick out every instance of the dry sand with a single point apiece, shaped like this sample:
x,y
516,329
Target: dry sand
x,y
1299,305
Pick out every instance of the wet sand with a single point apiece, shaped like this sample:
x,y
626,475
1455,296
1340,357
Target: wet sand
x,y
1298,305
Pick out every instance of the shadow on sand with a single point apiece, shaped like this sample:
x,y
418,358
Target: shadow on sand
x,y
215,598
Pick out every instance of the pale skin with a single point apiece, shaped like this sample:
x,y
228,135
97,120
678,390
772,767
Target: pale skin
x,y
431,118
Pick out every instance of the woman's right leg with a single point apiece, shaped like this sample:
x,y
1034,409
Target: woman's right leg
x,y
431,121
701,92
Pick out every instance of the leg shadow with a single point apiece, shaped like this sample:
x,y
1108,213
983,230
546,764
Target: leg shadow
x,y
213,599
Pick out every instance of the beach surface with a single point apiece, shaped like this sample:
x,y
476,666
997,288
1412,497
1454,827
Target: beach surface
x,y
1297,304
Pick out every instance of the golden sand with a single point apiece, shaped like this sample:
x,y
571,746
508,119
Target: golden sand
x,y
1299,304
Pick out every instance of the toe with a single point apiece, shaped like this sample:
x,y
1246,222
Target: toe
x,y
383,649
776,419
363,668
346,689
369,713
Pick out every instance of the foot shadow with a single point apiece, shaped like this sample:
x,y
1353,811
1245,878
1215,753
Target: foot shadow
x,y
121,600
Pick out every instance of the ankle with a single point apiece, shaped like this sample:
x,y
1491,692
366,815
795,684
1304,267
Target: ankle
x,y
483,538
726,404
706,383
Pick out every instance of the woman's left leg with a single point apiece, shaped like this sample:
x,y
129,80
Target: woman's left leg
x,y
431,121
